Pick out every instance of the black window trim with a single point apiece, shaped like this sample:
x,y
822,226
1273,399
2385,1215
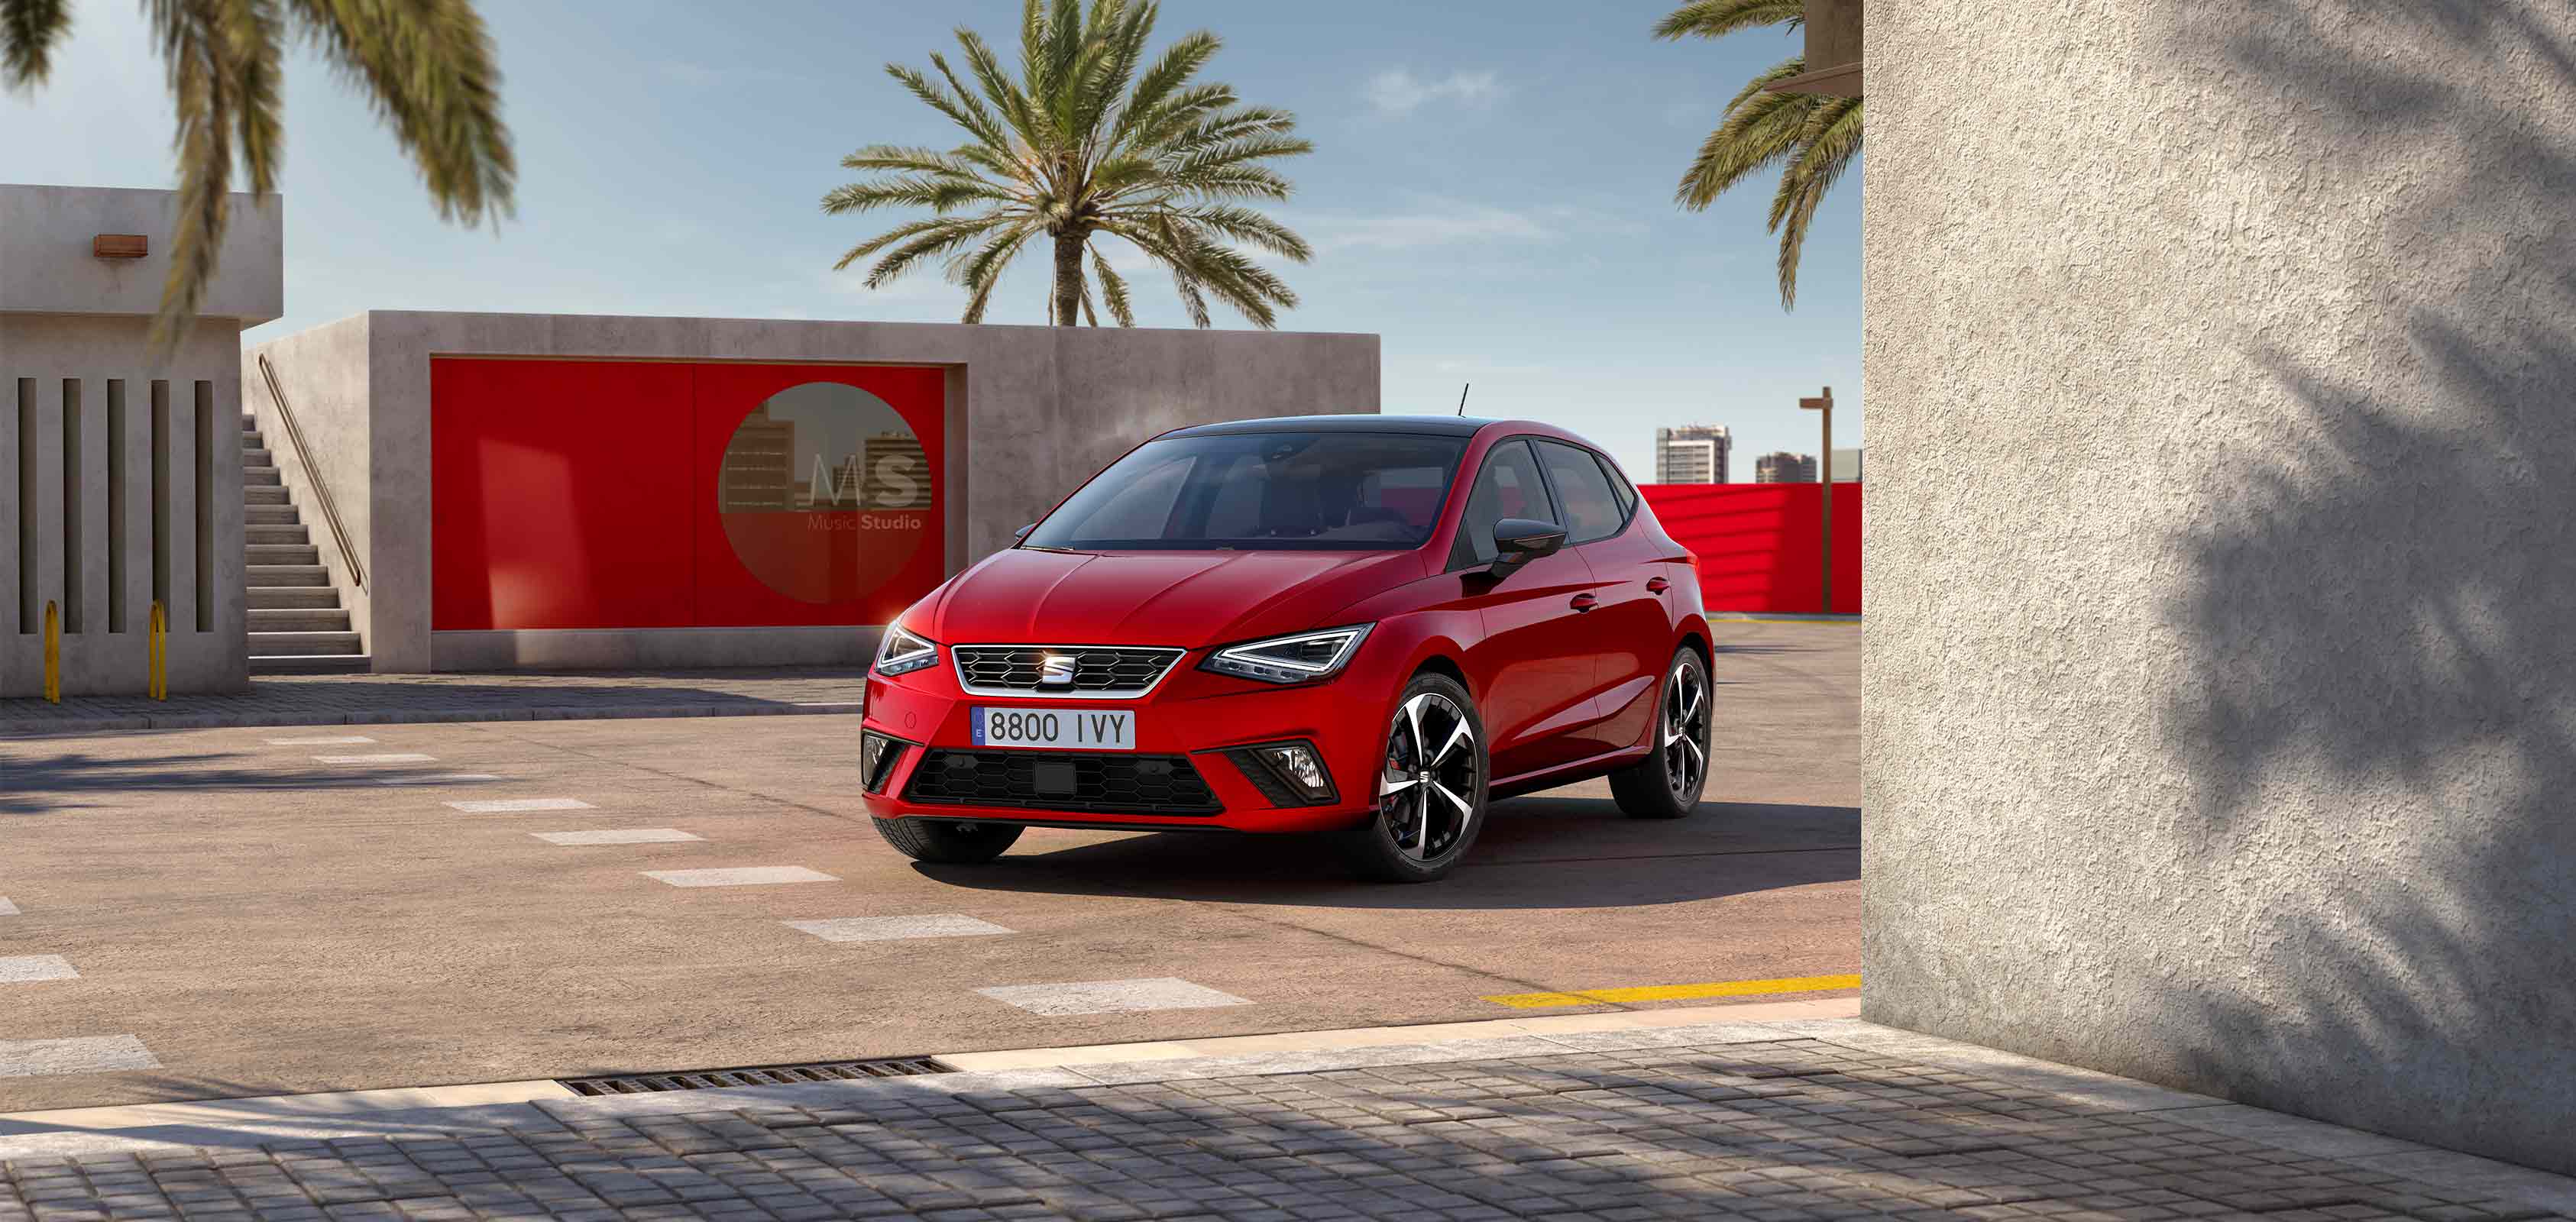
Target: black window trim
x,y
1546,486
1628,515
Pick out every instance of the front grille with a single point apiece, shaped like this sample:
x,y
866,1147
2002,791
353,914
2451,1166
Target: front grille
x,y
1099,670
752,1075
1039,780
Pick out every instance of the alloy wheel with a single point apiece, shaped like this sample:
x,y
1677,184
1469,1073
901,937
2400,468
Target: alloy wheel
x,y
1685,727
1430,772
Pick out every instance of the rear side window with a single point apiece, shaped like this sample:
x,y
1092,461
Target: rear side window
x,y
1620,487
1508,486
1591,507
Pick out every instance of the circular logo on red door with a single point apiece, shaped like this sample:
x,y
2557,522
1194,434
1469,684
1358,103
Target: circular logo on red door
x,y
825,492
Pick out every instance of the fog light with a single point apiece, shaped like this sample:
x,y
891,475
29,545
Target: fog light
x,y
1296,764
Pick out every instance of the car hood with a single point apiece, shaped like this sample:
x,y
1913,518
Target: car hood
x,y
1028,596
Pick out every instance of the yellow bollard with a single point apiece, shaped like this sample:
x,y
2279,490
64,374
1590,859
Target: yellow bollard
x,y
53,653
159,666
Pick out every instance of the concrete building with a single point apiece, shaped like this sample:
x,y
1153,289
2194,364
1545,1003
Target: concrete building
x,y
540,491
1783,467
1692,454
2242,764
121,467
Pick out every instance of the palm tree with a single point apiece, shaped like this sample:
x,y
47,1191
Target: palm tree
x,y
1813,139
426,64
1080,145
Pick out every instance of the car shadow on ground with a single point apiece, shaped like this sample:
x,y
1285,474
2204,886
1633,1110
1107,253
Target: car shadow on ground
x,y
40,784
1543,851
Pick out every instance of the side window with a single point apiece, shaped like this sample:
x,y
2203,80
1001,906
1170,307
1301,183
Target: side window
x,y
1507,487
1591,508
1621,488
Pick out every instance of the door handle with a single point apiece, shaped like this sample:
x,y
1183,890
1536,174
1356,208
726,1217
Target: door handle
x,y
1657,585
1583,602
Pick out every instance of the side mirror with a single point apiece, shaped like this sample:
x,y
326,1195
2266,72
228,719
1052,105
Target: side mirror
x,y
1023,532
1517,541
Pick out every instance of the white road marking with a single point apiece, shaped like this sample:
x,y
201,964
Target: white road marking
x,y
327,740
387,757
1112,996
437,778
7,908
632,835
82,1054
504,806
884,929
740,876
20,969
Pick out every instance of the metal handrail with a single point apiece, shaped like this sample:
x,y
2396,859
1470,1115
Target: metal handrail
x,y
321,488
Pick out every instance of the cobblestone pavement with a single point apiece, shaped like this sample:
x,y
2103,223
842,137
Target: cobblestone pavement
x,y
1788,1130
299,700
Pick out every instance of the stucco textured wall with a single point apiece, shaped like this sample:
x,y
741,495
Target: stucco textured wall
x,y
2220,688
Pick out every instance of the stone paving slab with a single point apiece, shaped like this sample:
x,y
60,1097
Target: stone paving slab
x,y
1792,1128
333,700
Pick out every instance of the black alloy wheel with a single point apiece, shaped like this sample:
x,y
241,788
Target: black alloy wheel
x,y
1430,785
1667,784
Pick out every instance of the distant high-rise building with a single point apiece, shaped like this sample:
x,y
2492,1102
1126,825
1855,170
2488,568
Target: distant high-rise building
x,y
759,466
894,473
1847,466
1692,454
1784,467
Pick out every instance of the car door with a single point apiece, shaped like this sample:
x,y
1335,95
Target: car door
x,y
1628,630
1535,669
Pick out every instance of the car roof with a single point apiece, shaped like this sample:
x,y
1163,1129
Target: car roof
x,y
1436,426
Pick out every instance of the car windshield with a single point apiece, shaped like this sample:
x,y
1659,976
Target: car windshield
x,y
1327,491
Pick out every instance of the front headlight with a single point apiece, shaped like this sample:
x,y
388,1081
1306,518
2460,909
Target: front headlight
x,y
902,652
1302,658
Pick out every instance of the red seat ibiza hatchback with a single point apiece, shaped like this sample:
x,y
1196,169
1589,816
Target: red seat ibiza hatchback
x,y
1369,626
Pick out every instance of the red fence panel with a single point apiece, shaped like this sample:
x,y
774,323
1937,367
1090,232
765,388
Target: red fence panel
x,y
1760,546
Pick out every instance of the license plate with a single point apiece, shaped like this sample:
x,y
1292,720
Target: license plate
x,y
1078,729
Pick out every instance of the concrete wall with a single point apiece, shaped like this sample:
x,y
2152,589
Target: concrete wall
x,y
1032,411
80,389
2231,348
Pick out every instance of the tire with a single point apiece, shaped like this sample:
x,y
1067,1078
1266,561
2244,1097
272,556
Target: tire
x,y
1429,813
1667,784
941,842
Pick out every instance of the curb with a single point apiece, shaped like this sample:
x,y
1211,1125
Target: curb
x,y
58,727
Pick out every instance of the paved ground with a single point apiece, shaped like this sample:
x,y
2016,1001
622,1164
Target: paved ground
x,y
222,913
306,700
1791,1123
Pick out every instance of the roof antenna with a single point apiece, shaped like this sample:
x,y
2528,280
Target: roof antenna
x,y
1462,397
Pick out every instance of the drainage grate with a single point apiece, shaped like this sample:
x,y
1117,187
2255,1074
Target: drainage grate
x,y
753,1075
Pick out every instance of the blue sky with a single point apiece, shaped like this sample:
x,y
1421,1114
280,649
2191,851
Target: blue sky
x,y
1491,191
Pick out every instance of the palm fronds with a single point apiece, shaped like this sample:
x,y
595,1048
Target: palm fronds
x,y
1089,137
1811,139
425,64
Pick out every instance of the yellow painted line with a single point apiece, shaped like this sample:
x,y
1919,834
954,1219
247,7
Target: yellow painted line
x,y
1679,992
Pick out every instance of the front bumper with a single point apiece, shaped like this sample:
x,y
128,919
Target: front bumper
x,y
1191,719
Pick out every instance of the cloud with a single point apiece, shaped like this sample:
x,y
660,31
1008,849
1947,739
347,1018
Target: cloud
x,y
1397,91
1442,222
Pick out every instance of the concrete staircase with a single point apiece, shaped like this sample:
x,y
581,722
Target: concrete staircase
x,y
297,625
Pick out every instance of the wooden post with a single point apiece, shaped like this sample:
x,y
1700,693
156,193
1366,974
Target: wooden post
x,y
53,653
1824,405
157,656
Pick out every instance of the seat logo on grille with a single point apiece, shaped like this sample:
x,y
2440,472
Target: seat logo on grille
x,y
1055,670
